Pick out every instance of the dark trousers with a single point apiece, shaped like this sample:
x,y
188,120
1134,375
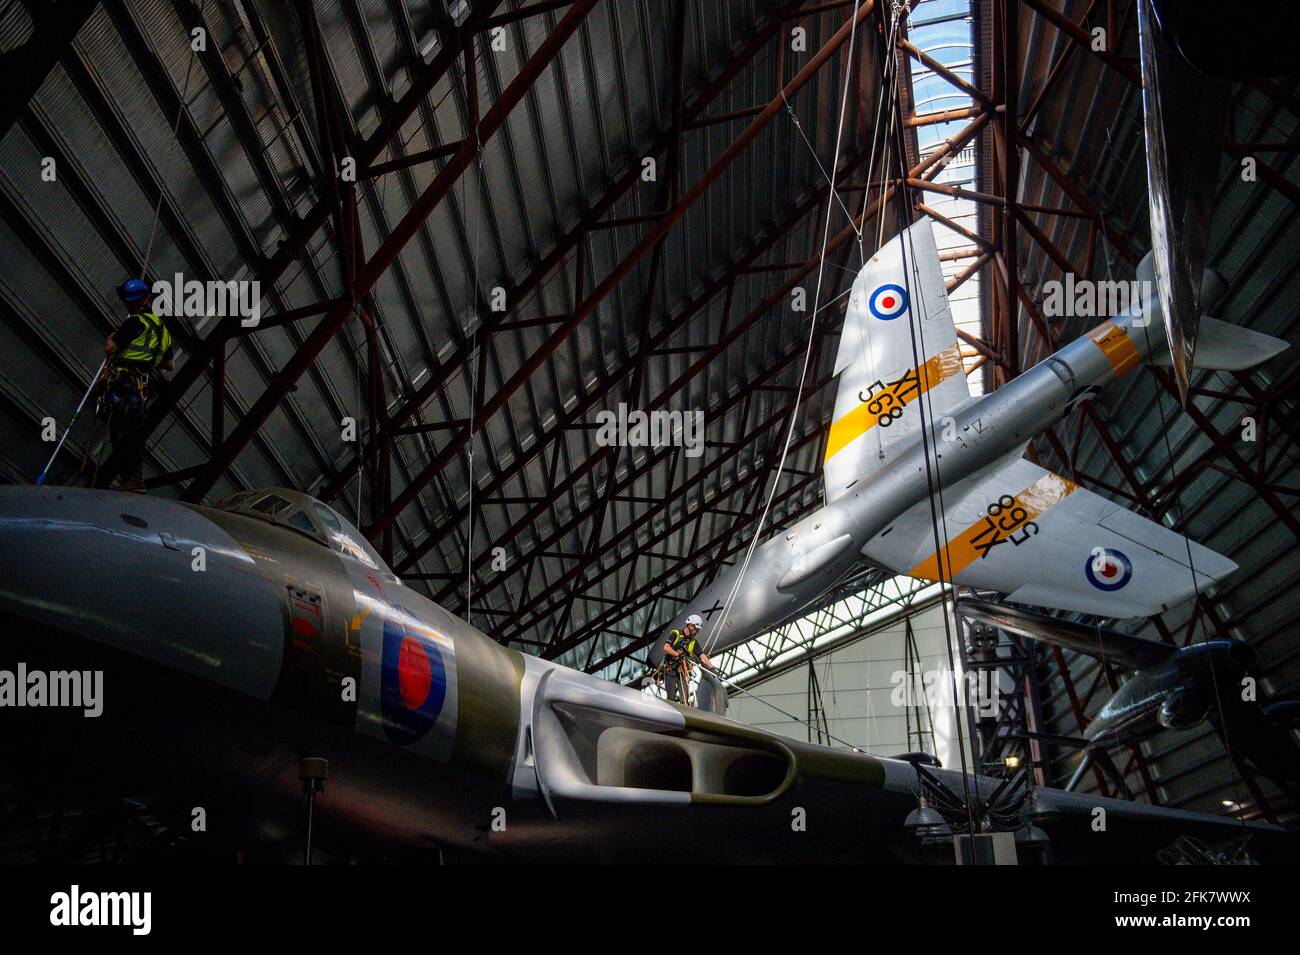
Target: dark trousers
x,y
127,434
129,396
672,685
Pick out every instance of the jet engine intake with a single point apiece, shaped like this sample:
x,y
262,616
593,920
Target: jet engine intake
x,y
612,744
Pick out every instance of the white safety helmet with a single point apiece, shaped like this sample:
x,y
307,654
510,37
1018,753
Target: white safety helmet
x,y
695,620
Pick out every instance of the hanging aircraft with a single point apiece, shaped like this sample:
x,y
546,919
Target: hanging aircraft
x,y
235,645
1171,688
1190,56
924,480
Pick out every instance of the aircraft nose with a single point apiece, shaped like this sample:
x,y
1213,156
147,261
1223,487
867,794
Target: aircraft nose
x,y
144,575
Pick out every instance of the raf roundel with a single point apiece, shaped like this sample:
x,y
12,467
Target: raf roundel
x,y
888,302
1108,569
413,683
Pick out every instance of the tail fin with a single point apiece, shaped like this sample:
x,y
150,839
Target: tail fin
x,y
898,346
1215,345
1221,346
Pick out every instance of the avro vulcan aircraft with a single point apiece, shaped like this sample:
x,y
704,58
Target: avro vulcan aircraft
x,y
911,458
237,641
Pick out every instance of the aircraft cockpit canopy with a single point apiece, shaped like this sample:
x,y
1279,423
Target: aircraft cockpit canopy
x,y
306,515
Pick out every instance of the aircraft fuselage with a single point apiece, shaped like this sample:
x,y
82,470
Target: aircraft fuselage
x,y
233,646
793,568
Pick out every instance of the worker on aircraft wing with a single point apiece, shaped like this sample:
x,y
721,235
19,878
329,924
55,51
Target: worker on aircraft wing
x,y
136,352
683,643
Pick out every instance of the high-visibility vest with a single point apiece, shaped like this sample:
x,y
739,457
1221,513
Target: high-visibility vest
x,y
150,346
678,637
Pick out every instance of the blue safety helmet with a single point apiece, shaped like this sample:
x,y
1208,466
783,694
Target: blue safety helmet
x,y
133,290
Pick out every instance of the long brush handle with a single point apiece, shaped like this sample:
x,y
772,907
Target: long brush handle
x,y
40,478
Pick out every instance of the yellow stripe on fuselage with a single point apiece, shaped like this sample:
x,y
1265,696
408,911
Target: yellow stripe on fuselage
x,y
980,538
898,394
1116,346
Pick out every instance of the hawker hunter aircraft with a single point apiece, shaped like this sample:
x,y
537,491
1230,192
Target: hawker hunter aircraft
x,y
234,643
1171,688
911,459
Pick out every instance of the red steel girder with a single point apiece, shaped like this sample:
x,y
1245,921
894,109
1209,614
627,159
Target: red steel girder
x,y
616,275
593,558
652,460
633,393
387,253
269,270
1081,37
593,218
953,145
1117,239
721,546
1009,15
680,321
1239,464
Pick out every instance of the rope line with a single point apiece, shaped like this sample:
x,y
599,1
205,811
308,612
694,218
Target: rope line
x,y
171,148
812,330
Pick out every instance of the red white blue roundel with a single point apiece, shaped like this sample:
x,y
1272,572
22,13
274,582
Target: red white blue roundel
x,y
1108,569
888,302
413,684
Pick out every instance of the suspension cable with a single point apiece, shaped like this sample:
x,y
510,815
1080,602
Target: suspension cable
x,y
171,148
812,337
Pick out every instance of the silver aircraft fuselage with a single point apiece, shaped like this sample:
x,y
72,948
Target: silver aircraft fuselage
x,y
1177,694
793,568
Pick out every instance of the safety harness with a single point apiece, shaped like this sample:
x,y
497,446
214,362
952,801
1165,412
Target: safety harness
x,y
127,384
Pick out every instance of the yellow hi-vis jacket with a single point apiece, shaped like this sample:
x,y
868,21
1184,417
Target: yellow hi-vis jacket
x,y
679,641
151,345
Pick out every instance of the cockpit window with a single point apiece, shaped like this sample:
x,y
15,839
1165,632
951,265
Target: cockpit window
x,y
278,510
272,504
298,518
242,499
345,538
329,518
306,514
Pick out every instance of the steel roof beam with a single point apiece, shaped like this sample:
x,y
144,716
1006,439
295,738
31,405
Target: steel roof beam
x,y
520,293
939,69
634,385
616,275
594,554
1081,37
932,163
656,457
23,69
268,270
574,417
671,328
387,253
721,546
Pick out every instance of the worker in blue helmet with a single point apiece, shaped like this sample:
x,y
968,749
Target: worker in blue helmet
x,y
138,351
